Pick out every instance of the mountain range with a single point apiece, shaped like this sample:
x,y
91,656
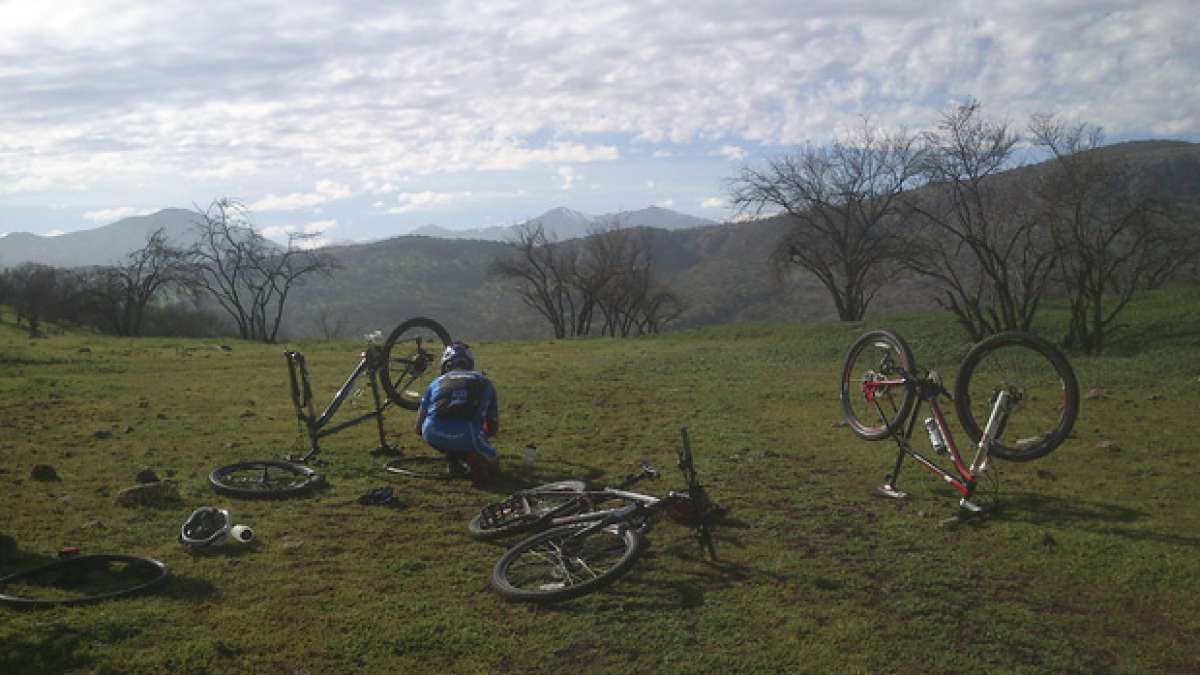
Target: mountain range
x,y
562,223
721,271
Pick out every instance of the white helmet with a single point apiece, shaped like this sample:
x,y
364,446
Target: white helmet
x,y
207,526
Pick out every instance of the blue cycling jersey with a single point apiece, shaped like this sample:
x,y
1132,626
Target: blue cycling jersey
x,y
453,410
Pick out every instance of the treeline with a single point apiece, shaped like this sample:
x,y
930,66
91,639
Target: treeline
x,y
944,205
602,284
167,289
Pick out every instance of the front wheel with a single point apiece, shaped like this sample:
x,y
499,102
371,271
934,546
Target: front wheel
x,y
566,562
264,478
527,510
410,360
876,392
1042,391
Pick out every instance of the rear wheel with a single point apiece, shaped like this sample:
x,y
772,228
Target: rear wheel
x,y
872,409
1042,389
566,562
527,510
264,478
410,360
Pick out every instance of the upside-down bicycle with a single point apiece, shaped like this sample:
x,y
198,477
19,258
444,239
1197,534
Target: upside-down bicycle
x,y
1016,396
580,547
405,363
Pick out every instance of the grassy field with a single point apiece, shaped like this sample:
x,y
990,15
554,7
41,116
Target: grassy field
x,y
1090,563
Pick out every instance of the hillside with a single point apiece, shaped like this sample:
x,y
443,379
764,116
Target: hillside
x,y
100,246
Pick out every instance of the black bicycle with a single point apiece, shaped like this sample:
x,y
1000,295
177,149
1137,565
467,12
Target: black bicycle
x,y
583,548
402,367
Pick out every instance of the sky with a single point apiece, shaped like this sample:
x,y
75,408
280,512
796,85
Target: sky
x,y
361,119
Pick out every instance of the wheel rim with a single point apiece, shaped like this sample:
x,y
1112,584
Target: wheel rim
x,y
874,361
1036,388
82,579
566,560
412,363
264,478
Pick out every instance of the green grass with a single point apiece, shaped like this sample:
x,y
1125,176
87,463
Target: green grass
x,y
1091,563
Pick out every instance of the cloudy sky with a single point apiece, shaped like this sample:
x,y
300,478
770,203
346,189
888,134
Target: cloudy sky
x,y
361,119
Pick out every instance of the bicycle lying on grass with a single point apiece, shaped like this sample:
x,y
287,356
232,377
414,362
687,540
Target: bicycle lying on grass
x,y
403,366
580,547
1019,386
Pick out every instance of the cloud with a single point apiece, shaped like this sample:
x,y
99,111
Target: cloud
x,y
54,233
304,235
325,191
732,152
567,177
714,203
106,216
408,202
665,203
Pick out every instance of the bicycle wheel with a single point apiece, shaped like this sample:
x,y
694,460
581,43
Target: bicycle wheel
x,y
874,411
527,510
1044,395
264,478
410,358
566,562
81,579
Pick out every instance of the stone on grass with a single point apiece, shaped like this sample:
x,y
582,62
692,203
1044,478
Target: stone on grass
x,y
101,435
44,472
146,475
149,494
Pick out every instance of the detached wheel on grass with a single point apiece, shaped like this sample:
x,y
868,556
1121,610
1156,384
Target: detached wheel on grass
x,y
566,562
264,478
81,579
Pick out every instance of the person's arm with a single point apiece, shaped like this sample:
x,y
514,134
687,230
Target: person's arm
x,y
423,408
493,412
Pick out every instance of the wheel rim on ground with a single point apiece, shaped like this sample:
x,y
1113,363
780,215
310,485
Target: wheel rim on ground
x,y
565,562
1039,380
876,356
264,478
524,510
410,360
81,579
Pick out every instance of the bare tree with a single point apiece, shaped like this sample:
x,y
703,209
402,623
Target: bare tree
x,y
844,205
604,280
329,321
542,269
1115,235
121,293
39,293
249,277
979,236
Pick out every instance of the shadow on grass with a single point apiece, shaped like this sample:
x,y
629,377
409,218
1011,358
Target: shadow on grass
x,y
1090,516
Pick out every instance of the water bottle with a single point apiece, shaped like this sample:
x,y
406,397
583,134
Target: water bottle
x,y
935,436
241,534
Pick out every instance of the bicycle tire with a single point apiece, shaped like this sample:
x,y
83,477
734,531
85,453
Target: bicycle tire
x,y
861,415
514,521
550,578
65,566
1038,374
404,388
276,478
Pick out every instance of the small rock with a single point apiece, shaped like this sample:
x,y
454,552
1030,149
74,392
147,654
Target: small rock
x,y
247,413
92,525
146,475
1048,541
1154,397
128,429
65,499
290,544
1109,445
231,445
85,350
44,472
101,435
1093,393
1045,475
149,494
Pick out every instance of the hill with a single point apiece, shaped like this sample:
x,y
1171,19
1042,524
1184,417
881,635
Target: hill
x,y
561,224
99,246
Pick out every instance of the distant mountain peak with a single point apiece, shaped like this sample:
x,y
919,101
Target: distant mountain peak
x,y
563,223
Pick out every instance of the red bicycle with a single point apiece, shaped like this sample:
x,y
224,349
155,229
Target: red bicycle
x,y
1016,396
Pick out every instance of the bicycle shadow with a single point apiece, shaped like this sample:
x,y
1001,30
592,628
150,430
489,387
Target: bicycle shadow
x,y
1099,517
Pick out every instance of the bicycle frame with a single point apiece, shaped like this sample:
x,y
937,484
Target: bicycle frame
x,y
965,477
315,425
